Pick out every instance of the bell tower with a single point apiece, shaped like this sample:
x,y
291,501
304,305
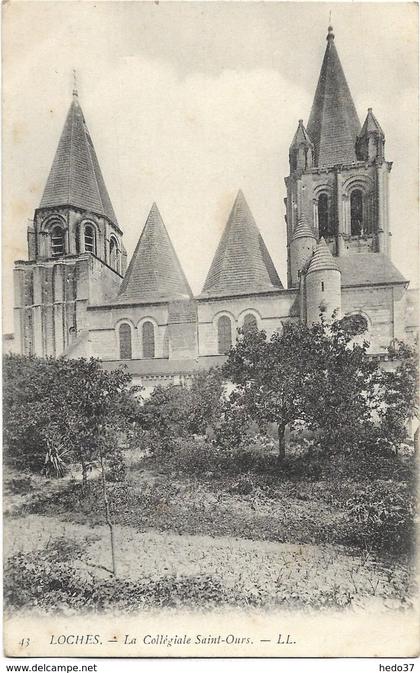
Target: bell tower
x,y
338,179
76,255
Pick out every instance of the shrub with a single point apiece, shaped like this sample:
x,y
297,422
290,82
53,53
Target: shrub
x,y
381,515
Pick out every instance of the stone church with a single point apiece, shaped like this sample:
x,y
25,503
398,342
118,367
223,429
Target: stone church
x,y
75,295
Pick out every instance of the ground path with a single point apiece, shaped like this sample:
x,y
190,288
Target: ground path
x,y
246,566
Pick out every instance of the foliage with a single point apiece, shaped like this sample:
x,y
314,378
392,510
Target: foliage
x,y
318,374
178,411
399,394
57,409
382,518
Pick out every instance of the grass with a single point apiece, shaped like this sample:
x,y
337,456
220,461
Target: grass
x,y
200,541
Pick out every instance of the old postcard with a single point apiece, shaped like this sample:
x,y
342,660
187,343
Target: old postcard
x,y
210,310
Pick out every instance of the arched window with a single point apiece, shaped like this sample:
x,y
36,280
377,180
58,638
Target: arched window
x,y
224,335
90,239
355,323
148,337
113,254
57,241
250,322
125,342
356,212
324,224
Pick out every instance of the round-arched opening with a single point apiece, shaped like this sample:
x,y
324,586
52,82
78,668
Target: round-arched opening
x,y
57,241
250,323
114,254
324,216
356,212
148,338
90,239
224,335
125,342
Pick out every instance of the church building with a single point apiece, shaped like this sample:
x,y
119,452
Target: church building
x,y
76,297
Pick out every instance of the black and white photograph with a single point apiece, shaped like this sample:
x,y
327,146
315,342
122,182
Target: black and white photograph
x,y
210,329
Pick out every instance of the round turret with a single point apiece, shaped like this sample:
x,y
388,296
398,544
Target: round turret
x,y
302,246
322,285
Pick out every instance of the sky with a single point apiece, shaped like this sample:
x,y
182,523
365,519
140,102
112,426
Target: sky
x,y
188,102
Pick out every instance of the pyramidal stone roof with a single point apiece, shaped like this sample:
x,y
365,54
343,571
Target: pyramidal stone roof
x,y
301,136
242,263
322,259
75,177
333,124
154,273
371,125
303,230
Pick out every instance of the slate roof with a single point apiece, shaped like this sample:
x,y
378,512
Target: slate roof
x,y
368,268
322,259
75,177
154,273
242,263
303,230
333,124
370,125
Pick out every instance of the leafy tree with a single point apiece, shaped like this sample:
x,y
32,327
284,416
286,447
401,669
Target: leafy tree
x,y
312,373
206,395
57,408
399,393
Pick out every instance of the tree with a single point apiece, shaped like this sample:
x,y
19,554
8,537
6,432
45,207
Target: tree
x,y
62,405
399,389
311,373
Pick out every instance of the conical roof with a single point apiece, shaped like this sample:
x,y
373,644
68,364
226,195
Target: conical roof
x,y
75,178
154,273
303,230
242,263
301,136
322,259
371,125
333,123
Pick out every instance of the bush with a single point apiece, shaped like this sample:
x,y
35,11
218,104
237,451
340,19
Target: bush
x,y
381,516
43,581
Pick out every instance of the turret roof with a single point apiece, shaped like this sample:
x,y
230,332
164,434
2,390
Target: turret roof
x,y
370,125
242,263
303,230
301,136
75,177
322,259
154,273
333,123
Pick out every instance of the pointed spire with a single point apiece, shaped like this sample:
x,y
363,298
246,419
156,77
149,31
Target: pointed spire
x,y
242,263
333,123
371,125
370,144
75,178
303,230
154,273
322,259
301,150
301,136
